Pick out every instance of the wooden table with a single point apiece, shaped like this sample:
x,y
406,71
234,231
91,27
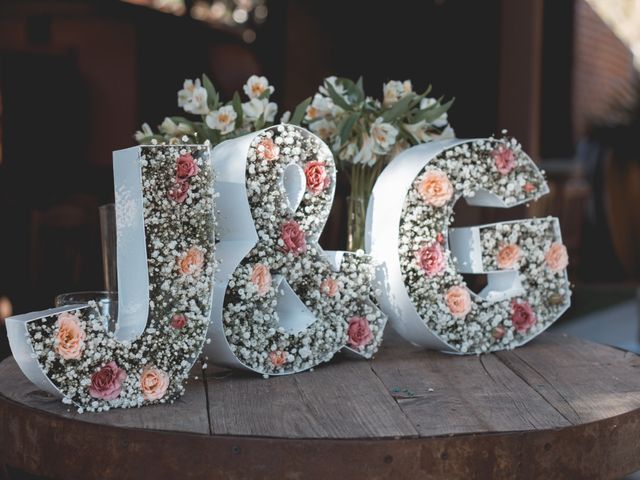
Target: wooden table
x,y
557,408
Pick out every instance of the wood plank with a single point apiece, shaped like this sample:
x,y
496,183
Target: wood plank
x,y
584,381
446,394
187,414
341,400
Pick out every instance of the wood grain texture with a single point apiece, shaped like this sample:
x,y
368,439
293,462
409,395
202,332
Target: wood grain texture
x,y
556,408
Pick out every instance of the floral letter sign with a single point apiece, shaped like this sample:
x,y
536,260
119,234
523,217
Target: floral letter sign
x,y
165,221
281,303
422,260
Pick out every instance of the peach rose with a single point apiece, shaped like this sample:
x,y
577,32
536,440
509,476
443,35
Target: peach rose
x,y
69,341
179,192
504,159
106,383
522,316
458,301
191,262
498,332
317,178
153,383
293,237
435,188
261,278
278,358
268,150
556,257
508,256
431,259
330,287
186,167
359,332
529,187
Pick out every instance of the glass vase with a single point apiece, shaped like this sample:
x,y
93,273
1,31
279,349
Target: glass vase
x,y
356,223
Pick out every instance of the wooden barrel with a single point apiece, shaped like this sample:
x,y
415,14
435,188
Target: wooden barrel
x,y
556,408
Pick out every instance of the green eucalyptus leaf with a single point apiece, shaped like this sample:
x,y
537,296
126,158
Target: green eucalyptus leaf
x,y
260,122
346,127
213,97
300,112
237,107
400,108
336,97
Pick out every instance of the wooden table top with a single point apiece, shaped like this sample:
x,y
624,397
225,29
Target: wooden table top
x,y
557,408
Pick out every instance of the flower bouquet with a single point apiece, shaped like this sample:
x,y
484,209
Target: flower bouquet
x,y
364,133
218,121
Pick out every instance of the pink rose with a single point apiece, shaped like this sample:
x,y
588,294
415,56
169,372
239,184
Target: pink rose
x,y
261,278
153,383
522,316
268,150
431,259
498,332
508,256
106,383
330,287
529,187
556,257
278,358
186,167
435,188
69,341
179,321
458,301
179,192
504,159
191,262
317,178
359,332
293,237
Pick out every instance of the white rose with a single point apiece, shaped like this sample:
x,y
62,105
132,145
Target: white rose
x,y
255,107
222,119
256,86
384,136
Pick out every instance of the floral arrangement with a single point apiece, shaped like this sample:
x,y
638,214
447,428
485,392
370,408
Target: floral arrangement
x,y
212,120
286,261
86,363
464,320
364,133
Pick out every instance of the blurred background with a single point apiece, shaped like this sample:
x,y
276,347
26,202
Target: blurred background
x,y
77,78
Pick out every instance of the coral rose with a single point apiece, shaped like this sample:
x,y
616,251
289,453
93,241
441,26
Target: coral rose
x,y
317,177
330,287
278,358
522,316
268,150
69,341
359,332
106,383
556,257
261,278
431,259
191,262
508,256
458,301
435,188
293,237
153,383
